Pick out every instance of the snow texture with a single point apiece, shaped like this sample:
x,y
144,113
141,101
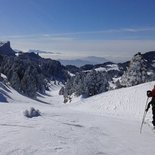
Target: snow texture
x,y
105,124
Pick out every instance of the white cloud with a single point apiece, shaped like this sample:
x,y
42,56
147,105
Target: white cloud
x,y
63,35
76,48
70,46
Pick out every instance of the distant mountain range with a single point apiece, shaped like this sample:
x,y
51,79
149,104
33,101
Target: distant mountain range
x,y
83,61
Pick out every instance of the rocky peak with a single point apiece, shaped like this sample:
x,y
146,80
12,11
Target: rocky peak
x,y
5,49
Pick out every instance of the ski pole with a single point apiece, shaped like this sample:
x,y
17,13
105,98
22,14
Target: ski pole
x,y
144,115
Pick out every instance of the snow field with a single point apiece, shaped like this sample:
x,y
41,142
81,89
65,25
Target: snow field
x,y
106,124
124,103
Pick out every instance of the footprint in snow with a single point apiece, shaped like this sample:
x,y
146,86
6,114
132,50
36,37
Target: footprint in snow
x,y
58,148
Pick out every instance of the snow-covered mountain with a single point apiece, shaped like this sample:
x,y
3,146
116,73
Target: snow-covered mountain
x,y
28,73
88,80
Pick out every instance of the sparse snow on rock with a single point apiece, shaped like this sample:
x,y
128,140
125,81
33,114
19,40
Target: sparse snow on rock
x,y
110,67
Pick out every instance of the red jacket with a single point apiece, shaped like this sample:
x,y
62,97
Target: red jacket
x,y
153,92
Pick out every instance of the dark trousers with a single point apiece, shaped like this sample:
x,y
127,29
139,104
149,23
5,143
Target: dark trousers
x,y
153,112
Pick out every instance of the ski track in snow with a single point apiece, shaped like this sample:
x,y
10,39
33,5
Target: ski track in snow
x,y
106,124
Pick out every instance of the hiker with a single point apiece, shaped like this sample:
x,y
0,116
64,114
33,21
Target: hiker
x,y
152,103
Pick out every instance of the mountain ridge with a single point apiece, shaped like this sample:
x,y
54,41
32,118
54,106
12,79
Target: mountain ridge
x,y
29,73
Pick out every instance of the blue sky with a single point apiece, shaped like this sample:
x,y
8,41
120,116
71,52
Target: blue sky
x,y
117,28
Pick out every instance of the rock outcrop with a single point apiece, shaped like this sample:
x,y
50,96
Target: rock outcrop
x,y
5,49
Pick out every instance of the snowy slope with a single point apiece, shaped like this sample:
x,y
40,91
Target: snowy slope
x,y
125,102
106,124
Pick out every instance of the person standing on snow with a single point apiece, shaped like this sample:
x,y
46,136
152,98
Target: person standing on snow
x,y
152,103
